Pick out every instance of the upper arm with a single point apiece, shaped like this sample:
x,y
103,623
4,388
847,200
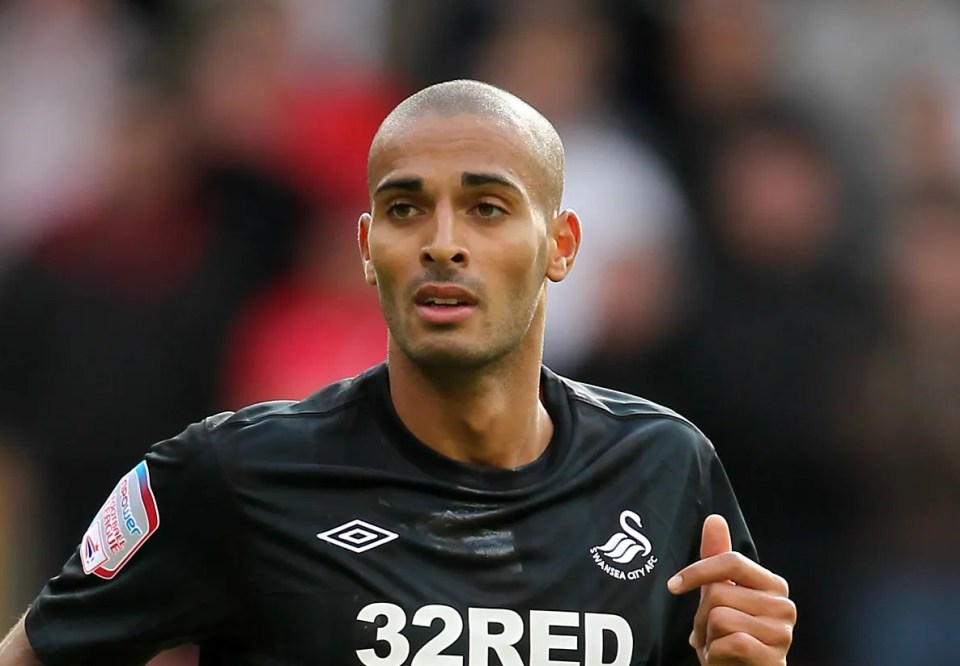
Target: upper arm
x,y
16,650
153,570
719,497
714,494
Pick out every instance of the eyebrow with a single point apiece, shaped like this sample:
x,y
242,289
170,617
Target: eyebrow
x,y
406,184
469,179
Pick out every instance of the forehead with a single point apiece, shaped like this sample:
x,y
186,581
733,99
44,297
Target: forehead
x,y
439,148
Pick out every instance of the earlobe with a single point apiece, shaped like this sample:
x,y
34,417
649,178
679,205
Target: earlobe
x,y
363,239
369,274
565,229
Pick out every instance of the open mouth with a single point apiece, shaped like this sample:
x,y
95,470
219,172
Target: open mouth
x,y
442,304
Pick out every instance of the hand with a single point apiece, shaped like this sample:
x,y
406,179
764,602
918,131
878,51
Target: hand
x,y
745,616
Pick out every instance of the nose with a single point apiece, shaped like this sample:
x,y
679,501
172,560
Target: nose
x,y
443,247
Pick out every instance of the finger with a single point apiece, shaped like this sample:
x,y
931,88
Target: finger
x,y
742,648
729,566
753,602
724,621
715,538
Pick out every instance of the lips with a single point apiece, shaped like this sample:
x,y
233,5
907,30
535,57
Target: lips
x,y
436,295
444,304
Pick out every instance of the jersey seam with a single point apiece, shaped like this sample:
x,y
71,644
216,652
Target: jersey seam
x,y
245,421
665,415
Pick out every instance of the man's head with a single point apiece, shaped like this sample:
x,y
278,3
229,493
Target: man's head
x,y
465,226
472,98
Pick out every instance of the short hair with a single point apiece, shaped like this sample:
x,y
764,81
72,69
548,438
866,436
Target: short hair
x,y
465,96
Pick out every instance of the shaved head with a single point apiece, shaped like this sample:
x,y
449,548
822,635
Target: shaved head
x,y
464,97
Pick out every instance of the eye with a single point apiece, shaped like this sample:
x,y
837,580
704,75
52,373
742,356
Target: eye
x,y
402,210
489,210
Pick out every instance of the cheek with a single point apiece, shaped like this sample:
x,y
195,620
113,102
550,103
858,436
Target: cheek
x,y
522,263
384,257
385,270
526,252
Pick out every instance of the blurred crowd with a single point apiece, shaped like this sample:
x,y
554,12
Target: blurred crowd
x,y
770,192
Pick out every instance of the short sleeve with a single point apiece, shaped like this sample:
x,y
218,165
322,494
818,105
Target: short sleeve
x,y
716,495
719,498
154,569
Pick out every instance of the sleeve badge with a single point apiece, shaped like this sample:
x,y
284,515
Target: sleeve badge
x,y
123,524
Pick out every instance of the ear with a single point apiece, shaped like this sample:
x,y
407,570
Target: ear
x,y
564,231
363,237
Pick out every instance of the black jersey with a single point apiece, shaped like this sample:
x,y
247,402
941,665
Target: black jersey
x,y
323,532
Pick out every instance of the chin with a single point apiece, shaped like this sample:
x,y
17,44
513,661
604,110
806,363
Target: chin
x,y
448,357
451,354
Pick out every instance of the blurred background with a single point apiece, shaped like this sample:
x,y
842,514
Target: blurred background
x,y
770,192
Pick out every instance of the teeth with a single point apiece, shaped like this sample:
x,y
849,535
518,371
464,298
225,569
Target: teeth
x,y
444,301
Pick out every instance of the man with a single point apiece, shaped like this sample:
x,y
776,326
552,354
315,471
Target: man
x,y
458,506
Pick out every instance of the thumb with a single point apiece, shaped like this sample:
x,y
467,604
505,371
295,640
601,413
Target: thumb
x,y
716,537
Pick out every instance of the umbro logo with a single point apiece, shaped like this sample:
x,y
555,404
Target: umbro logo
x,y
358,536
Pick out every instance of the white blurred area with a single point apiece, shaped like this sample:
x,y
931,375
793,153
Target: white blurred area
x,y
60,63
886,71
329,36
625,287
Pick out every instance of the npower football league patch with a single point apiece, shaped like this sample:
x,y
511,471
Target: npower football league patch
x,y
125,521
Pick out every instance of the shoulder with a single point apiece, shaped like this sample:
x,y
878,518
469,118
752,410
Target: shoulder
x,y
617,404
328,403
270,433
620,406
630,417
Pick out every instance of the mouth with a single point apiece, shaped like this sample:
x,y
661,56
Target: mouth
x,y
444,304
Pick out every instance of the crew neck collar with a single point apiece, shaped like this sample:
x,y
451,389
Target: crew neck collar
x,y
472,475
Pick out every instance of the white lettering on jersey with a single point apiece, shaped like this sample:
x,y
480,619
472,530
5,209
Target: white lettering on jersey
x,y
595,624
399,646
429,654
542,640
482,639
497,630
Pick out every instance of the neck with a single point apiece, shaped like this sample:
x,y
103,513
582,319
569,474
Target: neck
x,y
488,416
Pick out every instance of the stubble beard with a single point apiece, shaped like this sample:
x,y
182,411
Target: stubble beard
x,y
490,351
444,355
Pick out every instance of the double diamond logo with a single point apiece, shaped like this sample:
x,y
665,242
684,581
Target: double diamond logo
x,y
358,536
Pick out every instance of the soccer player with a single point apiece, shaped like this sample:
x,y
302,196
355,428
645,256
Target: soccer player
x,y
459,505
